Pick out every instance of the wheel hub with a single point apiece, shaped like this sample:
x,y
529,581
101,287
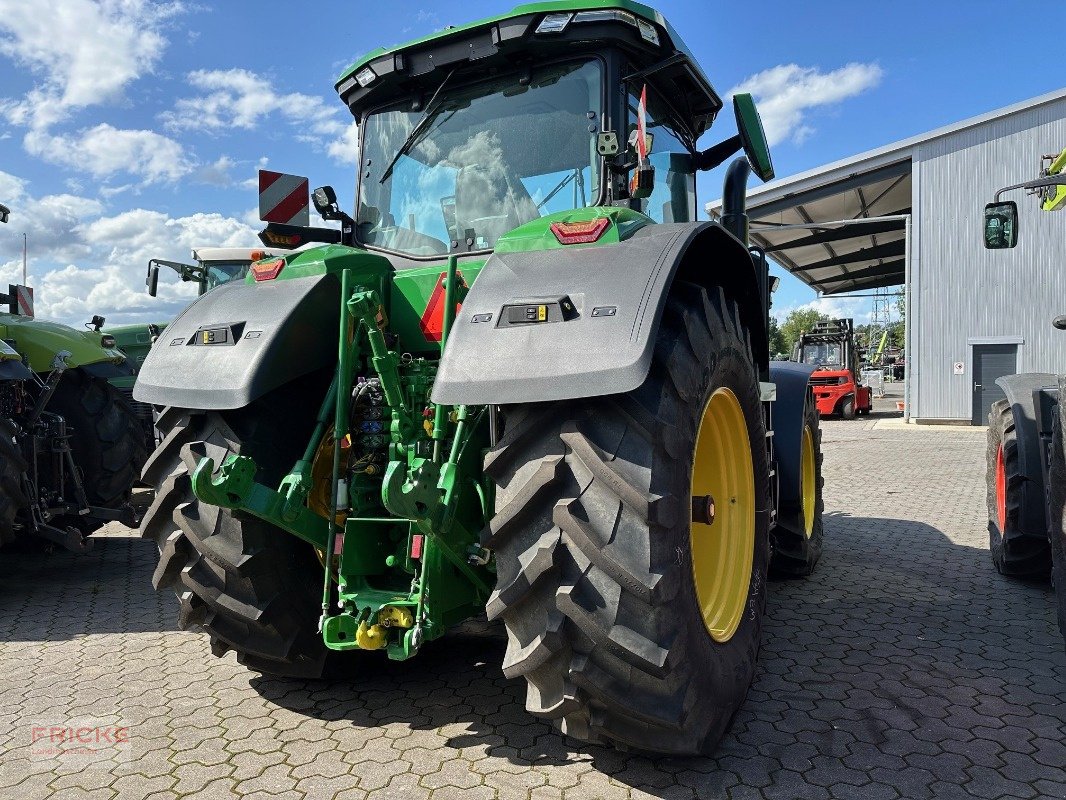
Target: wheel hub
x,y
722,535
809,480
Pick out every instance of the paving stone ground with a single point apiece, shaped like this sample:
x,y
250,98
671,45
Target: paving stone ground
x,y
905,667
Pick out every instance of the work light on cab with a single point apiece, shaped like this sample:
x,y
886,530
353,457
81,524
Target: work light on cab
x,y
580,232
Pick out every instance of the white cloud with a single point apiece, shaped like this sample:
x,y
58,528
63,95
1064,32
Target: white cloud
x,y
104,150
84,52
786,93
217,174
83,262
345,148
240,99
856,308
47,221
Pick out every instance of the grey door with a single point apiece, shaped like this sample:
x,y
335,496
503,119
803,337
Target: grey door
x,y
990,361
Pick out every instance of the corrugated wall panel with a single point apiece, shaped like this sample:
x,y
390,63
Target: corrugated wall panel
x,y
961,291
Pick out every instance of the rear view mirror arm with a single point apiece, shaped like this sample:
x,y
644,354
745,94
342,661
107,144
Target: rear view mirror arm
x,y
1037,183
713,156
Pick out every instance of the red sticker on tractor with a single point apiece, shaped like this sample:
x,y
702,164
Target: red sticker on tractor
x,y
432,321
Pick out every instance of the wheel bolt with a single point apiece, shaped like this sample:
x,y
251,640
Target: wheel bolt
x,y
703,509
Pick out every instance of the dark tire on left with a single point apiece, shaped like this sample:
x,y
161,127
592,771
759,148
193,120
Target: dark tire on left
x,y
1057,478
847,408
12,492
596,576
254,588
106,439
796,550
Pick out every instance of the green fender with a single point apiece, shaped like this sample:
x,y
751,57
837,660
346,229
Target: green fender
x,y
38,341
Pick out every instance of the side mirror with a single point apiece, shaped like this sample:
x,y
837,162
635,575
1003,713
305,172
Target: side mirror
x,y
152,281
1001,225
5,212
752,136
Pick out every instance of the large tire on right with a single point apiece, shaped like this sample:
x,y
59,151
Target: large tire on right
x,y
596,549
1057,478
798,534
1014,551
13,497
253,588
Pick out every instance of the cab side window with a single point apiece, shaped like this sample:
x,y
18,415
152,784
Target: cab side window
x,y
674,197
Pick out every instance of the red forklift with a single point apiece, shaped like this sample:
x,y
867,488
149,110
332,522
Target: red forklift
x,y
831,348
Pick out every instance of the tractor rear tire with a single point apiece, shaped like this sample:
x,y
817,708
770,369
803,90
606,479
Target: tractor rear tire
x,y
253,588
796,550
1057,478
596,548
13,497
1014,551
106,439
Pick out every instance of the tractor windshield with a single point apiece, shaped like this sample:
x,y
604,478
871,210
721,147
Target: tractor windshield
x,y
217,273
486,159
822,354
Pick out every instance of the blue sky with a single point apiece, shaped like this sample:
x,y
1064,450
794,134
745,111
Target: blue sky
x,y
133,129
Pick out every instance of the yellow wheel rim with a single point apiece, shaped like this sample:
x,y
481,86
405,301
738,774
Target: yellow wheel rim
x,y
808,480
722,552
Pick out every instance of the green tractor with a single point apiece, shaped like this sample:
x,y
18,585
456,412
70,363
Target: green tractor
x,y
522,381
70,448
1026,460
214,266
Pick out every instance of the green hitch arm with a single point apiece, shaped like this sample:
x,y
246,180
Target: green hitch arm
x,y
364,306
339,486
234,486
297,484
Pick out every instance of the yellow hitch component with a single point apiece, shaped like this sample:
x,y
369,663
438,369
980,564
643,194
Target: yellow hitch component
x,y
371,637
374,637
428,425
396,617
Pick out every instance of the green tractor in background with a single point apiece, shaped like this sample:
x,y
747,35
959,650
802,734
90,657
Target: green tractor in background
x,y
521,381
70,447
1026,459
214,266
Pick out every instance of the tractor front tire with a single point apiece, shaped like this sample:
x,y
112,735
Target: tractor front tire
x,y
798,534
106,439
253,588
1057,478
12,491
1014,551
626,631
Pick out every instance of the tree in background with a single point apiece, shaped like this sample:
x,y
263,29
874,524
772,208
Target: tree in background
x,y
777,341
798,321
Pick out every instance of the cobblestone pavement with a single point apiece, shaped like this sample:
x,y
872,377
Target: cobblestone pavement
x,y
906,667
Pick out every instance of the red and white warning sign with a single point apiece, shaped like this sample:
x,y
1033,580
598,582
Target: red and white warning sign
x,y
283,198
23,296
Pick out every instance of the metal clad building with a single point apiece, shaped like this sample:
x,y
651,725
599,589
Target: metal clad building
x,y
989,311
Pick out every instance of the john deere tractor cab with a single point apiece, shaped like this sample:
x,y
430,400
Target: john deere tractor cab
x,y
1026,460
69,449
830,348
214,266
519,380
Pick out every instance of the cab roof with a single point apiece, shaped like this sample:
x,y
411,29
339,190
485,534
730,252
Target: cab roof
x,y
412,66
